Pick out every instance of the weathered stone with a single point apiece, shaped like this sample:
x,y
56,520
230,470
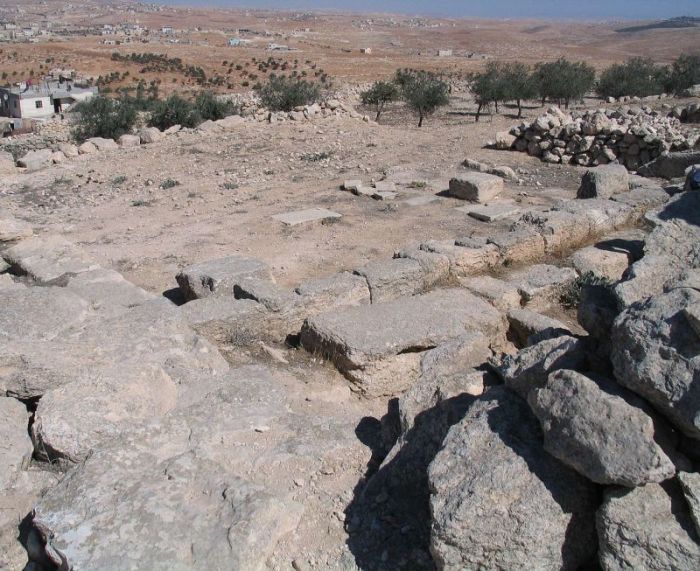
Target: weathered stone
x,y
466,257
351,185
35,160
499,501
502,295
307,216
592,428
504,140
390,279
39,313
378,347
335,290
529,368
601,263
228,123
646,528
421,200
656,353
13,229
225,318
520,246
542,284
7,163
385,186
69,150
129,141
16,449
218,277
603,182
671,165
690,484
267,293
104,144
48,258
529,327
87,148
106,290
476,187
491,212
57,157
150,135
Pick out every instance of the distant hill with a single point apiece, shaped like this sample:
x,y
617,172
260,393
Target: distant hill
x,y
680,22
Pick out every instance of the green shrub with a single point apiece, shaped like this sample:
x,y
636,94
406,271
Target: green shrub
x,y
208,106
423,91
684,73
174,111
636,77
562,80
281,93
169,183
571,295
381,93
103,117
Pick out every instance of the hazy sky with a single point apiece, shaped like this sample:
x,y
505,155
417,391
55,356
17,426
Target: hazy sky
x,y
553,9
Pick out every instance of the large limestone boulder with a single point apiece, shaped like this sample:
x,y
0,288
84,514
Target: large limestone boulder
x,y
529,327
35,160
670,165
335,290
103,144
150,135
542,284
499,501
604,181
48,258
218,277
7,163
126,141
656,354
390,279
593,429
378,347
647,528
476,186
602,263
12,229
16,449
210,485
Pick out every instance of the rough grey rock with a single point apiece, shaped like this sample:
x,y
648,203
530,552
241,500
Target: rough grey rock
x,y
39,313
690,484
87,148
596,312
267,293
391,279
73,419
520,246
103,144
646,528
590,427
16,448
502,295
604,181
530,367
601,263
7,163
499,501
48,258
129,141
541,284
107,290
218,277
378,347
671,165
465,257
35,160
150,135
476,186
13,229
335,290
656,354
208,486
529,327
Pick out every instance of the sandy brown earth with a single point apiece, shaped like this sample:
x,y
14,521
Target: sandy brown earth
x,y
230,185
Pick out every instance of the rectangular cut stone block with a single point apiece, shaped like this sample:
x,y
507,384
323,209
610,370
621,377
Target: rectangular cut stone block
x,y
384,195
541,284
476,186
48,258
352,185
218,277
385,186
389,279
465,260
502,295
336,290
378,347
306,216
491,212
519,246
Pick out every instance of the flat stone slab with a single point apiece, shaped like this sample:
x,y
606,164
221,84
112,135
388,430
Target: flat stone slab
x,y
362,190
389,279
541,283
491,212
476,186
502,295
48,258
421,200
218,277
335,290
306,216
351,185
385,186
600,262
379,347
384,195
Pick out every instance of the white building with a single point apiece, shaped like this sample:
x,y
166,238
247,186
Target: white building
x,y
41,101
444,53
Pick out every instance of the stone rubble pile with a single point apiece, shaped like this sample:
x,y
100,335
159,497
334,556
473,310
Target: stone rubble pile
x,y
631,136
513,440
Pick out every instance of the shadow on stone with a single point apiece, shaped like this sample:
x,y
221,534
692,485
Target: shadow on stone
x,y
175,295
388,520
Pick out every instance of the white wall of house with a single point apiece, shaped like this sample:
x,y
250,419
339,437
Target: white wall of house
x,y
36,107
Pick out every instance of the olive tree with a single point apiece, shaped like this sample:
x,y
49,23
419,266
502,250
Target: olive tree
x,y
381,93
637,76
684,73
282,93
563,80
103,117
423,91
